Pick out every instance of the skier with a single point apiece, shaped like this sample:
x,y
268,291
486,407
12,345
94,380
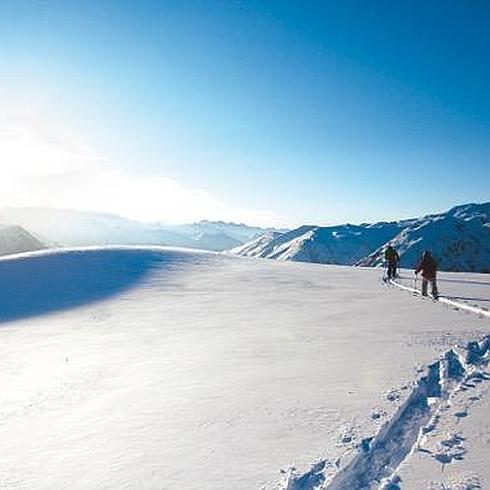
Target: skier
x,y
428,266
392,258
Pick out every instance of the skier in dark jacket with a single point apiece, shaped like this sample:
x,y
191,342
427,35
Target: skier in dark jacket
x,y
428,266
392,258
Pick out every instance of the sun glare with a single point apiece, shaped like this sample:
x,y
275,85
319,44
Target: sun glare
x,y
54,171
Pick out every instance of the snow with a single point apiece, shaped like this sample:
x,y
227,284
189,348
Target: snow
x,y
468,291
131,367
345,244
459,240
457,245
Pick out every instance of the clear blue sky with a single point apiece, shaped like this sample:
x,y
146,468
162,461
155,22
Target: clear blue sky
x,y
319,111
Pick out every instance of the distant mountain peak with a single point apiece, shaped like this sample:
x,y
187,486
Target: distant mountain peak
x,y
459,238
15,239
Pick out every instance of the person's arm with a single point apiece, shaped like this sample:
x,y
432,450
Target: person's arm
x,y
419,267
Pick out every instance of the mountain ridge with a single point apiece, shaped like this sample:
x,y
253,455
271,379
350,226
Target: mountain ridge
x,y
68,227
459,238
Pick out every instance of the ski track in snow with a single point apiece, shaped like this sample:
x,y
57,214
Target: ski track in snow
x,y
378,458
447,301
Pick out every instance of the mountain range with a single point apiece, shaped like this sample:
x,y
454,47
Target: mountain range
x,y
64,227
458,238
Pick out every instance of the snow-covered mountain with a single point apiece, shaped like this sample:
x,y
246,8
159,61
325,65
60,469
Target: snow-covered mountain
x,y
14,239
218,235
344,244
255,247
459,239
79,228
458,245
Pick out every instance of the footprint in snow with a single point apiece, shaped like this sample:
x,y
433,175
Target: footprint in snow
x,y
453,440
451,448
457,483
377,414
346,439
392,396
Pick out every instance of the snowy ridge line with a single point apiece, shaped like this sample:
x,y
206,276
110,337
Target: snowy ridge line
x,y
443,299
379,458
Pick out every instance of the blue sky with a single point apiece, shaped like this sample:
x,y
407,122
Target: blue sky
x,y
274,112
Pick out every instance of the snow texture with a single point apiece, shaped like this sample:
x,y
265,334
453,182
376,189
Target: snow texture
x,y
135,367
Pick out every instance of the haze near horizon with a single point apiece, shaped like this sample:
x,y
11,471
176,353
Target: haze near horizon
x,y
272,114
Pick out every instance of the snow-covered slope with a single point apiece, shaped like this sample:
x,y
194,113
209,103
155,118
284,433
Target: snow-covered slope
x,y
343,244
157,368
459,238
78,228
457,244
255,247
472,212
14,239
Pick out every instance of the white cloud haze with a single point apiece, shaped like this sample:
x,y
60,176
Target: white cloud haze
x,y
39,169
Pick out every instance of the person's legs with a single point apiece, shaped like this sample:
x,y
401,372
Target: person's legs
x,y
424,286
391,270
434,287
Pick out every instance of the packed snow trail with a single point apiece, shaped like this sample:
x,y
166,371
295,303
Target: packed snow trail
x,y
378,458
443,299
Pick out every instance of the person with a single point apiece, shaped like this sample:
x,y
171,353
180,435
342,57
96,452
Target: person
x,y
392,258
428,266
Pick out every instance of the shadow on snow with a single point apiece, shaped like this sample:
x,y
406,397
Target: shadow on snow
x,y
465,281
465,298
38,284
